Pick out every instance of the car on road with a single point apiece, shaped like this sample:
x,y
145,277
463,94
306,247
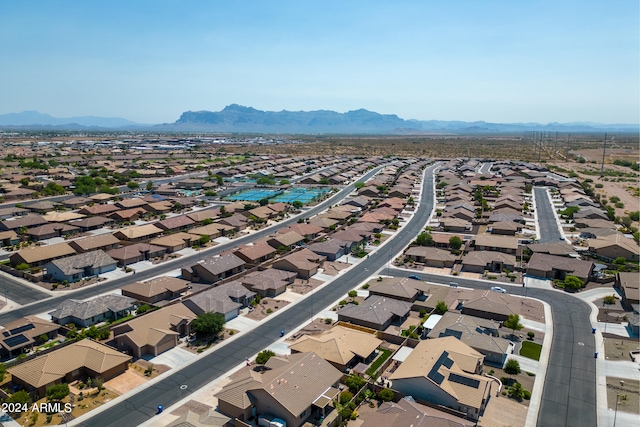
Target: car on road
x,y
498,289
414,277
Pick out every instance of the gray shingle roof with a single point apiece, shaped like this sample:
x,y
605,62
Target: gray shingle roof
x,y
93,307
77,263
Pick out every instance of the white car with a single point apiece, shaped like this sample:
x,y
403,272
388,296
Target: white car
x,y
499,289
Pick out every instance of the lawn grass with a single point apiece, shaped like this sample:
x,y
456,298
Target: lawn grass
x,y
378,362
531,350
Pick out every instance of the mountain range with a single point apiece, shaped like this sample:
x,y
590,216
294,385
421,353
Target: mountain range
x,y
239,119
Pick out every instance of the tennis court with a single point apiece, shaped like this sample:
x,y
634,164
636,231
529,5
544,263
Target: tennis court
x,y
304,195
254,195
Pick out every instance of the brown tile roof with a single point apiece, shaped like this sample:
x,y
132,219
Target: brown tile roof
x,y
157,286
545,262
255,252
93,242
153,327
338,345
137,231
41,253
54,366
270,278
30,327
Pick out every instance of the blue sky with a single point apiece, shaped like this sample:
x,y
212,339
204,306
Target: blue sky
x,y
499,61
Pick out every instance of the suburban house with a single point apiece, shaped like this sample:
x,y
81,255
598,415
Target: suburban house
x,y
164,288
177,223
488,242
331,249
256,253
308,231
445,371
96,310
209,418
376,312
237,221
629,286
23,221
138,233
154,332
399,288
78,267
101,241
213,230
135,253
616,246
557,267
268,283
479,261
293,389
9,238
407,412
341,346
457,225
285,240
40,255
92,223
175,242
22,334
487,305
303,262
214,269
431,257
478,333
100,209
49,231
81,359
226,299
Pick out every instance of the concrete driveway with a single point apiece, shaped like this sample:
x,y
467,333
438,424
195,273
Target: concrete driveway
x,y
174,358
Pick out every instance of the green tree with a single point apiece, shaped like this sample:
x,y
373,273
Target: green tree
x,y
516,391
143,308
3,371
149,186
358,185
264,356
21,397
455,242
620,261
284,182
512,367
385,395
218,179
203,240
132,185
263,202
297,204
354,383
441,307
424,239
345,397
513,323
635,216
58,391
573,282
208,324
353,294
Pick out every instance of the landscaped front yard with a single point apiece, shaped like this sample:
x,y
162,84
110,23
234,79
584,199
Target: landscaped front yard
x,y
531,350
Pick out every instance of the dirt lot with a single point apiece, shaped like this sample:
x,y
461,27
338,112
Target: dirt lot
x,y
316,327
302,286
503,411
629,394
623,187
616,348
266,307
332,268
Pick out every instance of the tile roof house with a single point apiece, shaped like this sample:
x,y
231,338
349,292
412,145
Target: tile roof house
x,y
332,249
303,262
376,312
212,230
181,222
615,246
209,418
92,223
431,257
101,241
101,210
175,242
78,267
226,299
214,269
479,261
50,230
62,216
9,238
341,346
162,288
488,242
268,283
478,333
23,221
135,253
399,288
154,332
40,255
21,334
84,358
288,240
487,305
256,253
629,286
96,310
556,267
138,233
407,412
445,371
293,389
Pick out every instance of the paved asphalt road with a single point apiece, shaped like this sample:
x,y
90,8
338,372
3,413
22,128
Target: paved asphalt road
x,y
546,218
143,405
569,393
45,303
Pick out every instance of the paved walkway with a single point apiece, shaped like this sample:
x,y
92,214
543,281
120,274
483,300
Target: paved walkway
x,y
241,323
526,364
174,358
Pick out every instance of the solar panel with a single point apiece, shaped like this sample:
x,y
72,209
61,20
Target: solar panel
x,y
470,382
23,328
448,362
16,340
6,333
435,376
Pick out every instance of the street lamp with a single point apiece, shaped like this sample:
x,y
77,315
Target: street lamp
x,y
615,415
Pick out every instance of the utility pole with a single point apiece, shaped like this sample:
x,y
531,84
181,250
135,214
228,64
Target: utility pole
x,y
604,149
